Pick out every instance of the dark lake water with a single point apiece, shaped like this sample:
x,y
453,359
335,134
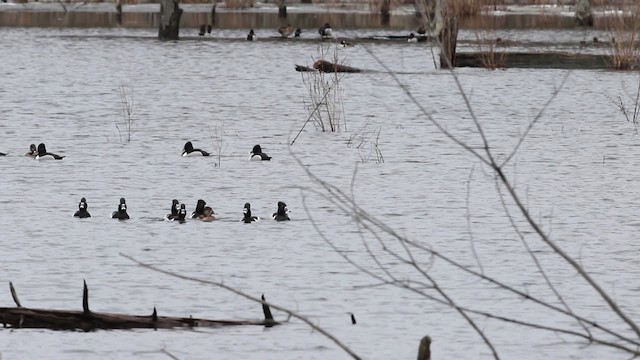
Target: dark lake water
x,y
576,172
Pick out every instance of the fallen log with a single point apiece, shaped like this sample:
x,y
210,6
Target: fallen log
x,y
87,320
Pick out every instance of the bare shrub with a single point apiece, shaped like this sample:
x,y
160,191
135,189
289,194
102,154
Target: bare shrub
x,y
624,27
631,112
366,140
487,44
127,111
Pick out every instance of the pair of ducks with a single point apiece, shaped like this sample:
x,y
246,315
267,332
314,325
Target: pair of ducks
x,y
282,214
83,210
256,153
205,213
284,31
41,153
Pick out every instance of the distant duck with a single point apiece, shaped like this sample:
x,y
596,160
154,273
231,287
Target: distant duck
x,y
247,219
345,44
251,36
207,215
33,151
412,38
202,29
182,214
286,31
188,150
44,155
199,209
121,214
82,209
175,209
325,30
297,33
281,214
257,154
209,28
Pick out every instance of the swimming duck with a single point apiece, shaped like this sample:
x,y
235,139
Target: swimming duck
x,y
44,155
297,33
247,219
175,209
345,44
252,36
286,31
257,154
33,151
202,28
281,215
412,38
207,215
121,214
199,209
188,150
182,214
325,30
82,209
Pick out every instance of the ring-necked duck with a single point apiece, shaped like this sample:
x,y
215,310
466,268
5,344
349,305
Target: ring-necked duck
x,y
82,209
175,209
286,31
412,38
325,30
345,44
33,151
122,211
247,219
281,215
207,215
297,33
44,155
257,154
199,209
252,36
188,150
182,214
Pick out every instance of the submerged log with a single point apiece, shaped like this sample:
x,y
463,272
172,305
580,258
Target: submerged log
x,y
87,320
549,60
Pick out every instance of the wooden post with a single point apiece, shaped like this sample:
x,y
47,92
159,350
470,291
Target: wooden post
x,y
170,14
584,16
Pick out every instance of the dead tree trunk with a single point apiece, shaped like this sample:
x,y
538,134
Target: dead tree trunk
x,y
447,30
87,320
282,9
170,14
584,16
385,12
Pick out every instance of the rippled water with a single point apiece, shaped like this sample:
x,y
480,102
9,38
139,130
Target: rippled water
x,y
576,172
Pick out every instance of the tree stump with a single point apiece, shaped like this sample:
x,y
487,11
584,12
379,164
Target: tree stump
x,y
170,14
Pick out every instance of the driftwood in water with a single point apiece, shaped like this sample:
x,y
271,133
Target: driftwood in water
x,y
326,66
87,320
549,60
169,22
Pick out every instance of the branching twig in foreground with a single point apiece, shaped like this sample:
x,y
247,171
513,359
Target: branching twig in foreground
x,y
247,296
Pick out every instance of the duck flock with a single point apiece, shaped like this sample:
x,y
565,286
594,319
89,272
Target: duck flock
x,y
178,211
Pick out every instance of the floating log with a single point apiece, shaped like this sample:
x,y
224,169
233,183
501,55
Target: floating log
x,y
547,60
326,66
87,320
